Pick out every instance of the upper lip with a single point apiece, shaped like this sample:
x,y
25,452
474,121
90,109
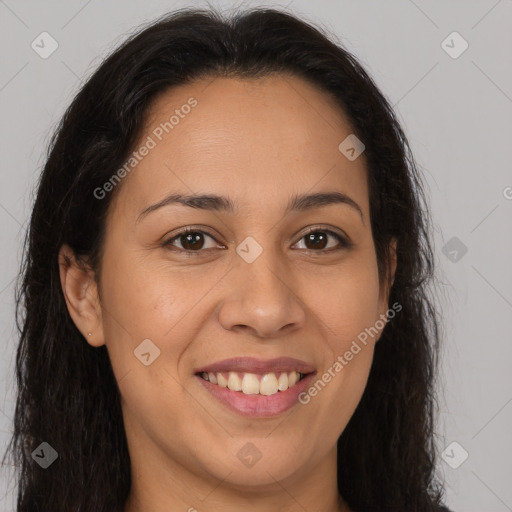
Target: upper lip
x,y
254,365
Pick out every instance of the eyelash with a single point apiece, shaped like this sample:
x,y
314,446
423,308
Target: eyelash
x,y
344,243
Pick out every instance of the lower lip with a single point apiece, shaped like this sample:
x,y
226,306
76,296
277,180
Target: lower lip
x,y
258,406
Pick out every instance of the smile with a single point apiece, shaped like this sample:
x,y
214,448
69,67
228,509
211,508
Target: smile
x,y
253,384
257,388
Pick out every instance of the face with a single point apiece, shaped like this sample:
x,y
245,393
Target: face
x,y
267,278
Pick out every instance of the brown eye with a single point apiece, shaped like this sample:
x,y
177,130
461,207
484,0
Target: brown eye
x,y
318,240
191,241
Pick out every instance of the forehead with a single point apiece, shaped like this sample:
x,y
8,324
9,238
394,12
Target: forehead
x,y
254,140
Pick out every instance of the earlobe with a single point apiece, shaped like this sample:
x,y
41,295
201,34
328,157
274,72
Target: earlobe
x,y
81,295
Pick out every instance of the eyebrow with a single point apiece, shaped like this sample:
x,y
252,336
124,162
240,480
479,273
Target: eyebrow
x,y
299,203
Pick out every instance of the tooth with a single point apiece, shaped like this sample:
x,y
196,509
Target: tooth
x,y
268,384
234,382
282,382
221,380
250,384
293,377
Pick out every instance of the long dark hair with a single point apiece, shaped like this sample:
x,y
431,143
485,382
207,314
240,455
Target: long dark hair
x,y
67,394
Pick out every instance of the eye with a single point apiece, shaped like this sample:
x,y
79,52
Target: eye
x,y
317,240
191,241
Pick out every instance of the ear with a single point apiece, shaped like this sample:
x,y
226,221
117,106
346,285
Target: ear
x,y
81,295
391,269
388,279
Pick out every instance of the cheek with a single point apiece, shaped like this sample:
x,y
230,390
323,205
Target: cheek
x,y
137,305
148,299
346,299
149,317
346,302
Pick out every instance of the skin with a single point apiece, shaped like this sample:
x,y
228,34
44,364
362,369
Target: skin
x,y
258,142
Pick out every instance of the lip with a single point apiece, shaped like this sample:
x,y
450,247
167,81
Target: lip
x,y
258,406
257,366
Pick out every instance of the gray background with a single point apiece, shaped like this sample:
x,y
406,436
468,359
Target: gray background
x,y
457,114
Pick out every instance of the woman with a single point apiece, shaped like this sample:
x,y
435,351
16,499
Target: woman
x,y
224,288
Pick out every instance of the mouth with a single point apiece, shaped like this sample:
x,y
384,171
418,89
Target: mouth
x,y
254,387
266,384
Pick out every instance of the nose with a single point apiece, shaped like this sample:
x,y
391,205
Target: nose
x,y
261,299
